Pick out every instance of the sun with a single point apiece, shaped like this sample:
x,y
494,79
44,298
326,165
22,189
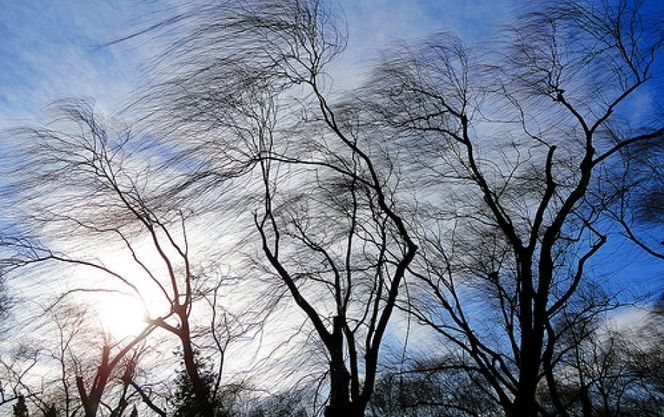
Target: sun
x,y
121,316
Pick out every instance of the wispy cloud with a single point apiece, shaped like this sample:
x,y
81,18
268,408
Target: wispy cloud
x,y
51,50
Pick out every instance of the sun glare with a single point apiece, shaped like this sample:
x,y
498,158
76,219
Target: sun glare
x,y
121,316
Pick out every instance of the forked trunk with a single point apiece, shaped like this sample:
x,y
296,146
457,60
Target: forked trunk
x,y
341,404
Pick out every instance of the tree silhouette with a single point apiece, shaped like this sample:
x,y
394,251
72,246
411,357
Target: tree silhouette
x,y
517,144
330,231
20,408
185,401
93,164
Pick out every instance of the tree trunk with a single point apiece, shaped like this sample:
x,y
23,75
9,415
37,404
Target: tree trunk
x,y
525,402
198,385
341,404
586,405
523,405
344,410
90,400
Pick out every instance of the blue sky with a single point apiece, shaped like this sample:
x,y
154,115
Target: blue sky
x,y
55,49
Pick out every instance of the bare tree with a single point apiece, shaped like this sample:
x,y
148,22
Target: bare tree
x,y
91,395
613,371
247,97
446,386
113,198
523,141
15,369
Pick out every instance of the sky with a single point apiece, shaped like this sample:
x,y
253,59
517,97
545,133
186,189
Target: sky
x,y
51,50
56,49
